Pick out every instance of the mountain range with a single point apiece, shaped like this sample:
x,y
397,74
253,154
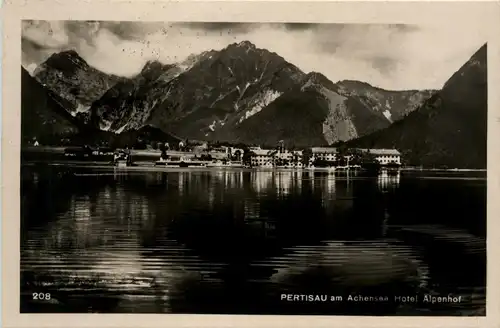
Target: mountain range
x,y
449,128
240,94
69,76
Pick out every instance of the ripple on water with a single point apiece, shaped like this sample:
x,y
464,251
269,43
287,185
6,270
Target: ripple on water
x,y
110,243
356,265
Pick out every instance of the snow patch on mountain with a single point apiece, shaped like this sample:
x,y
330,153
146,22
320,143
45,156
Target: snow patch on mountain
x,y
262,101
387,115
212,126
120,130
80,108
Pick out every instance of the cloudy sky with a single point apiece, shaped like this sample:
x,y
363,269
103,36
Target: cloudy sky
x,y
389,56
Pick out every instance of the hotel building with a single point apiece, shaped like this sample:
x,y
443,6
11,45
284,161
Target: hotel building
x,y
288,158
262,157
328,154
385,156
271,157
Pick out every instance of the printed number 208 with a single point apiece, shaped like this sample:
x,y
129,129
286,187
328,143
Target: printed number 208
x,y
41,296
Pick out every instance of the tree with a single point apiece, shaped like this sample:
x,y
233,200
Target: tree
x,y
237,155
369,162
247,156
306,156
359,157
393,164
205,157
342,152
368,157
321,163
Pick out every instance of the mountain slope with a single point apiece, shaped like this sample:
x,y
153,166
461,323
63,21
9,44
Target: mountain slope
x,y
394,105
142,137
128,103
42,115
217,84
213,94
450,128
319,112
309,114
70,77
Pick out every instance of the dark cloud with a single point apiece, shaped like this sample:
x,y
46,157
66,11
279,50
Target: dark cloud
x,y
300,26
82,30
327,37
220,26
387,54
126,30
32,45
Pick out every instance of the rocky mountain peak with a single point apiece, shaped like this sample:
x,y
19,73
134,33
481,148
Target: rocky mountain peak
x,y
151,65
153,69
318,79
246,44
66,62
243,45
353,84
248,51
473,69
67,74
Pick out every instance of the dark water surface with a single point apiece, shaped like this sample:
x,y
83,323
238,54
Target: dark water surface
x,y
233,241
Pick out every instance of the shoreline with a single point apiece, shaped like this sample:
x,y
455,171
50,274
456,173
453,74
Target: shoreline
x,y
149,157
151,165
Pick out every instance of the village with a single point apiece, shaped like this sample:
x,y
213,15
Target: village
x,y
280,157
203,154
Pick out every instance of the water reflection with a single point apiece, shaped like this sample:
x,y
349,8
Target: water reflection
x,y
388,180
163,241
261,180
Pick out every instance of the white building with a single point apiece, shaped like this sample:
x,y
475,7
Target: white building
x,y
291,159
328,154
385,156
262,157
271,158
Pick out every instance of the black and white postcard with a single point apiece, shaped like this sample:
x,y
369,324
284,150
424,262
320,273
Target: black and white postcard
x,y
258,161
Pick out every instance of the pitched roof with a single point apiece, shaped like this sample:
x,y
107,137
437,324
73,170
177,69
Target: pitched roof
x,y
388,152
330,150
262,152
290,153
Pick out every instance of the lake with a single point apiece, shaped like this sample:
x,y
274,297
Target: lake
x,y
238,241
